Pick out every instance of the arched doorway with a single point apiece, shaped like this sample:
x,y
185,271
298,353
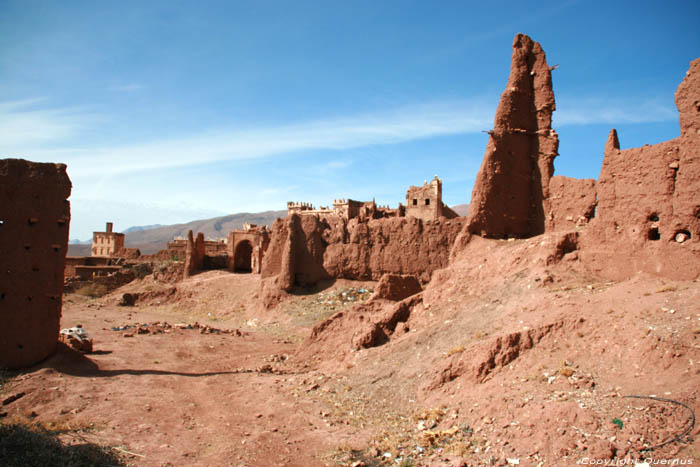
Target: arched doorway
x,y
242,257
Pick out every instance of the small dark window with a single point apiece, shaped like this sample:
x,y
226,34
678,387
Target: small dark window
x,y
654,218
654,234
415,201
427,201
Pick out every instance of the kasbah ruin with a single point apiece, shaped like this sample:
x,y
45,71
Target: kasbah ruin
x,y
557,321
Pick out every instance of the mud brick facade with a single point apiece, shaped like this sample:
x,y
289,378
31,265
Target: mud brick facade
x,y
107,243
425,202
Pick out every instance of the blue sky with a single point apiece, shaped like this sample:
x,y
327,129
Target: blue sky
x,y
172,111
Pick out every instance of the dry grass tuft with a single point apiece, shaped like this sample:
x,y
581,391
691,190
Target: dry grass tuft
x,y
32,445
93,290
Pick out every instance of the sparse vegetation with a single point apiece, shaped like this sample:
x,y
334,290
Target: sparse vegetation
x,y
29,445
5,377
93,290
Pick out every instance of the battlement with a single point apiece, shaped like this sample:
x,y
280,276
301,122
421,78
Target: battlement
x,y
301,206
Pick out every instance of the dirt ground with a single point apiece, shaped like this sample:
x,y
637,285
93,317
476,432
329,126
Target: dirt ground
x,y
510,359
177,396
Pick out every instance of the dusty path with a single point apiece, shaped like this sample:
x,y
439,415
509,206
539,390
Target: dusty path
x,y
181,397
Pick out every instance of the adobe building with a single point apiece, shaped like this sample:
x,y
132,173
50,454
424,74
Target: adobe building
x,y
107,243
344,208
422,202
34,220
88,267
425,202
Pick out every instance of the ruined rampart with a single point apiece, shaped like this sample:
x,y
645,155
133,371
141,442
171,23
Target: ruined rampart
x,y
305,249
34,221
648,215
643,213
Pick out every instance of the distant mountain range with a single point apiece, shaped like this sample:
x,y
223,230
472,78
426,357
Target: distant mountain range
x,y
151,238
138,228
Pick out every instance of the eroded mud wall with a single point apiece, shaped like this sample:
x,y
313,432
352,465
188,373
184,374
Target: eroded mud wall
x,y
304,249
34,222
511,193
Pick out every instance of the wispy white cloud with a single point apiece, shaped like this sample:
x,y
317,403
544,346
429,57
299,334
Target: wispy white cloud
x,y
590,111
384,127
130,87
49,134
23,123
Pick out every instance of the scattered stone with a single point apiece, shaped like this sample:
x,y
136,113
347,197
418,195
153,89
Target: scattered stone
x,y
127,299
77,338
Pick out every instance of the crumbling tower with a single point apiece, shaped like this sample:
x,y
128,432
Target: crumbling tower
x,y
511,192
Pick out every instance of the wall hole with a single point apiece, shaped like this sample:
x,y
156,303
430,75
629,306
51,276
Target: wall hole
x,y
654,217
681,236
427,201
29,298
27,247
654,234
2,295
20,346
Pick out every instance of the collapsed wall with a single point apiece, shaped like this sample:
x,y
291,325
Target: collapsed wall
x,y
648,215
34,221
306,249
194,254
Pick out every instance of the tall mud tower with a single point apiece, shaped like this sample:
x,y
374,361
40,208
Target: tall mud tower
x,y
510,196
34,221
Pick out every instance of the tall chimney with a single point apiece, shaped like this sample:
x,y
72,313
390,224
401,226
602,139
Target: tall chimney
x,y
109,227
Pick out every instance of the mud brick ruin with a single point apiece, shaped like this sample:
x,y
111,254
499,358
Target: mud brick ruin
x,y
643,213
107,247
34,221
345,209
425,202
242,251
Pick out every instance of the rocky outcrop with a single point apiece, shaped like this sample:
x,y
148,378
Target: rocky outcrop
x,y
648,214
34,220
366,325
511,193
396,287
